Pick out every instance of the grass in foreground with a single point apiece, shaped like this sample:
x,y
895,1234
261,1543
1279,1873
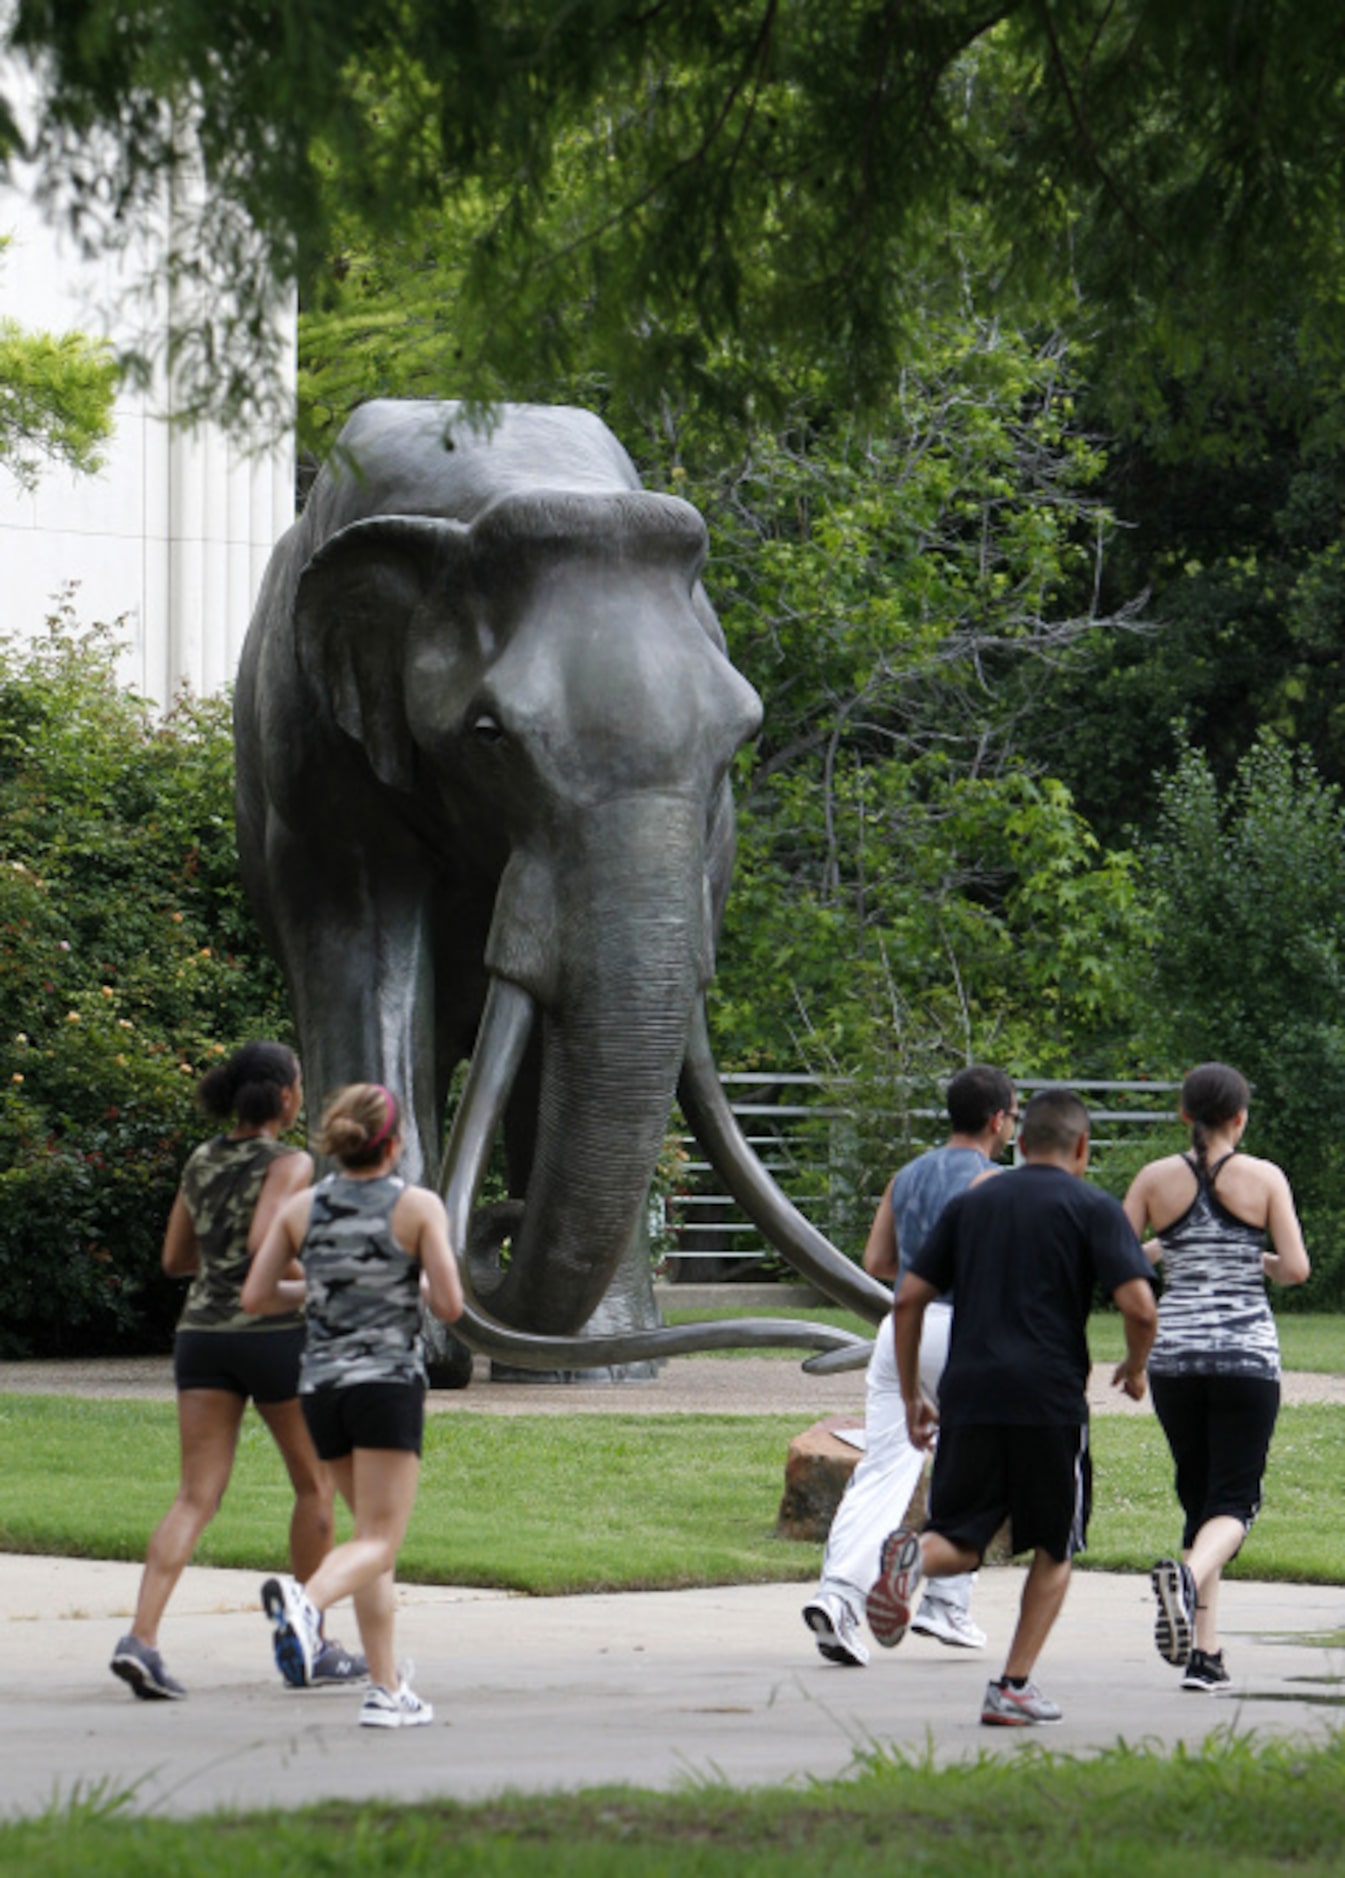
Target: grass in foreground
x,y
1239,1807
554,1504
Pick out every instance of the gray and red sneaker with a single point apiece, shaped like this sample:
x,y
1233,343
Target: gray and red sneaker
x,y
1007,1707
892,1595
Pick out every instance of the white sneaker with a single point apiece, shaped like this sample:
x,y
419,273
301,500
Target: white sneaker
x,y
835,1630
948,1623
395,1708
298,1629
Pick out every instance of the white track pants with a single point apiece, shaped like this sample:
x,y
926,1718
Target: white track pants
x,y
888,1473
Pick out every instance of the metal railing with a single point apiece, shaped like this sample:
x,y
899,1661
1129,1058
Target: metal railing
x,y
809,1141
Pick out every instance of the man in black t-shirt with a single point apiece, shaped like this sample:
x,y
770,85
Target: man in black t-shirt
x,y
1023,1254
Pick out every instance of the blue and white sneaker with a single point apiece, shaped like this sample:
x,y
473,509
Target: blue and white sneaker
x,y
298,1629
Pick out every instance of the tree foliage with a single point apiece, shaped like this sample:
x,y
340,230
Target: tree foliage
x,y
1161,158
128,963
56,392
1247,938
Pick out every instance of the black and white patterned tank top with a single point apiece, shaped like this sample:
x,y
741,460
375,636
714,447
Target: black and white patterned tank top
x,y
363,1297
1214,1318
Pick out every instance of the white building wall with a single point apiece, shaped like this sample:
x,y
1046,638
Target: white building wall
x,y
171,538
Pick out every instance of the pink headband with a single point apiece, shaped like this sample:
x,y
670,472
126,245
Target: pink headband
x,y
389,1119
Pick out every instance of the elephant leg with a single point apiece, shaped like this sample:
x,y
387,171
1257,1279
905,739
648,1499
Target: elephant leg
x,y
356,955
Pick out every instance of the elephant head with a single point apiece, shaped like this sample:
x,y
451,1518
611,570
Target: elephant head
x,y
540,843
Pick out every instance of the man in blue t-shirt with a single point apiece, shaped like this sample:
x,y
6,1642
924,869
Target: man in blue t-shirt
x,y
1026,1254
983,1110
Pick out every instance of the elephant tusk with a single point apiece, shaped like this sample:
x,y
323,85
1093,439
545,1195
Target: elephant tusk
x,y
502,1037
810,1252
831,1362
506,1025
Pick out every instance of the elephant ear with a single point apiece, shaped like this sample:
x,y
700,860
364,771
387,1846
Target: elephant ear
x,y
354,604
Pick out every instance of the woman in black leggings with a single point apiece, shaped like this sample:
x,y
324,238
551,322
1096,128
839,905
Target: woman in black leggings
x,y
1215,1365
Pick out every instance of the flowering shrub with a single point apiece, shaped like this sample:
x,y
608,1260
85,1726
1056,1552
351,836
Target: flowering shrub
x,y
128,962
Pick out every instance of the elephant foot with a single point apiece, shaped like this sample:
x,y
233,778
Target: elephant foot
x,y
448,1361
611,1373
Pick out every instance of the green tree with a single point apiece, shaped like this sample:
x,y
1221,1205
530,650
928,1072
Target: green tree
x,y
1247,948
909,888
1230,475
56,392
1175,162
128,963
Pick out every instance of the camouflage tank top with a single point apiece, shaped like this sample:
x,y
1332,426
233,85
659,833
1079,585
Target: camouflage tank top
x,y
363,1288
221,1185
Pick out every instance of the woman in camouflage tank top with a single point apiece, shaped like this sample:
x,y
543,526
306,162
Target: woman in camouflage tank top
x,y
232,1188
371,1248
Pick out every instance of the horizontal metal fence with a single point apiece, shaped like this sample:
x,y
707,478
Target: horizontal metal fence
x,y
809,1137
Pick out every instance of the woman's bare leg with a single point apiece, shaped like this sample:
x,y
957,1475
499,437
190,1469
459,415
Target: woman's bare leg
x,y
1217,1541
311,1523
208,1424
379,1485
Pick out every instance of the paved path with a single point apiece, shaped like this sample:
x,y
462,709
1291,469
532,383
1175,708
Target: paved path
x,y
544,1693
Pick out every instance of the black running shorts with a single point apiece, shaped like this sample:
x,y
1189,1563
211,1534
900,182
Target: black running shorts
x,y
1038,1479
260,1365
365,1415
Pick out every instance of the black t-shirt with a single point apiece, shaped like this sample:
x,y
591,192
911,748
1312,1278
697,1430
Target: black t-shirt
x,y
1023,1253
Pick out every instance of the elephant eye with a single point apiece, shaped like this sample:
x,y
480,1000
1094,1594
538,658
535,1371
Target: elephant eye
x,y
487,729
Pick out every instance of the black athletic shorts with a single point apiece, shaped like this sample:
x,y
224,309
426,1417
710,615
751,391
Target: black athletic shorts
x,y
1219,1429
1039,1479
262,1365
365,1415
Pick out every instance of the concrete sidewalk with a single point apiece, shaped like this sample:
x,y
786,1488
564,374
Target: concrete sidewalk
x,y
540,1693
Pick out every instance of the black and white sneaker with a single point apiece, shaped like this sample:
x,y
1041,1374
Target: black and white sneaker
x,y
142,1668
1205,1672
1174,1624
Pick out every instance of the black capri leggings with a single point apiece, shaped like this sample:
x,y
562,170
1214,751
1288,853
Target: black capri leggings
x,y
1219,1429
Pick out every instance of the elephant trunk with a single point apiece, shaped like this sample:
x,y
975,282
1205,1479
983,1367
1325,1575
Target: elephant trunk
x,y
614,1035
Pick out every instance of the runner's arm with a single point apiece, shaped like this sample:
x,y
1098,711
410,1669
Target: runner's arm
x,y
914,1296
267,1290
1135,1301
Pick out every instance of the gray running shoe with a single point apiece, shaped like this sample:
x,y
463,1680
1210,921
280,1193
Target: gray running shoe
x,y
334,1665
298,1633
835,1630
948,1623
395,1708
1174,1625
1027,1707
143,1669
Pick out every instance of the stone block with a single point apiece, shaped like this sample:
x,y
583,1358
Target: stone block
x,y
818,1467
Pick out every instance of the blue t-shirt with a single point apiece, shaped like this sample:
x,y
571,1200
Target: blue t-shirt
x,y
923,1188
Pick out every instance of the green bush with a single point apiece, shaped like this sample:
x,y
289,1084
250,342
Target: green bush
x,y
128,962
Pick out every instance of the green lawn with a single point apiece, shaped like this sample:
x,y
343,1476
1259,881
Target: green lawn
x,y
551,1504
1234,1808
1307,1342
